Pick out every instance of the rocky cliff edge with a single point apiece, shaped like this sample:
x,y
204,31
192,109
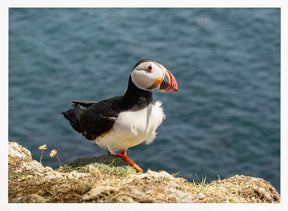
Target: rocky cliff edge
x,y
114,181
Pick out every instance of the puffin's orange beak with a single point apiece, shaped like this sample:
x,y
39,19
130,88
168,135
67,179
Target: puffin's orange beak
x,y
169,83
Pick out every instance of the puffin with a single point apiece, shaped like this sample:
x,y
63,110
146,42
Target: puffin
x,y
121,122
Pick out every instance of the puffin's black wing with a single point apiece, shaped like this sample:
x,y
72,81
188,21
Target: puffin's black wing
x,y
96,119
99,118
83,103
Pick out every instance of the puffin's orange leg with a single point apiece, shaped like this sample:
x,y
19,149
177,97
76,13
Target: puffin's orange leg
x,y
123,155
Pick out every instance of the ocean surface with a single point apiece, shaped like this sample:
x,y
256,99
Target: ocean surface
x,y
224,120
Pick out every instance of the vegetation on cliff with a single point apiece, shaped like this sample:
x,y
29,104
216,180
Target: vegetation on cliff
x,y
109,179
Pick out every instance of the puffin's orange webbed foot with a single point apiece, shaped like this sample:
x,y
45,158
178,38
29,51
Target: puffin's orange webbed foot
x,y
123,155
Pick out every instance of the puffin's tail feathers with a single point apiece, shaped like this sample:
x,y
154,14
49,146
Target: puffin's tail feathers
x,y
72,115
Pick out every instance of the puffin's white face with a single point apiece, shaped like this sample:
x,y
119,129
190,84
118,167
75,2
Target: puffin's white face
x,y
149,75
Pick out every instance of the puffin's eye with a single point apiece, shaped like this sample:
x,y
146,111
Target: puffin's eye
x,y
149,69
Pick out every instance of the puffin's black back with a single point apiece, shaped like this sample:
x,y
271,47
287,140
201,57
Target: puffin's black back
x,y
98,118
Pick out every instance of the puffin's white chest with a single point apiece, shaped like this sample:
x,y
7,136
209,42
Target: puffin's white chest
x,y
132,128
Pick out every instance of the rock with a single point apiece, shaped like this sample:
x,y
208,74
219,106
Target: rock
x,y
154,175
16,150
31,198
255,188
100,194
244,187
17,200
34,166
180,196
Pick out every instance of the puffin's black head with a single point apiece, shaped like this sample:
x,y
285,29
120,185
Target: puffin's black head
x,y
149,75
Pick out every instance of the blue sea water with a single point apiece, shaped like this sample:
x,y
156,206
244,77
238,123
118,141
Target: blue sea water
x,y
225,118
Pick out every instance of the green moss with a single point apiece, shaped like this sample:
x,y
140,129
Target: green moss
x,y
104,159
107,164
